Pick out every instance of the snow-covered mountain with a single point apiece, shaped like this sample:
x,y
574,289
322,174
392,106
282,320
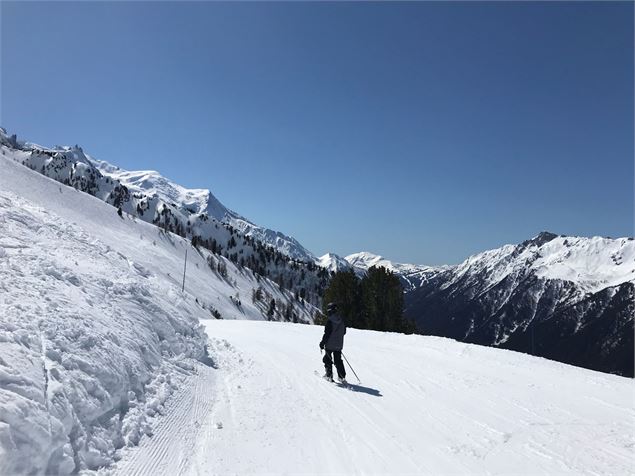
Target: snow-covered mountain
x,y
412,276
562,297
200,202
144,191
333,263
95,331
191,213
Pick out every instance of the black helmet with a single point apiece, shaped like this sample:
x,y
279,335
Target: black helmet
x,y
331,307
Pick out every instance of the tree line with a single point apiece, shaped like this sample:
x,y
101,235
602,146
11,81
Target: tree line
x,y
373,302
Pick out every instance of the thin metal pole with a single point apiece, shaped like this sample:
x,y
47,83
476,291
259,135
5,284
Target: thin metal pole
x,y
184,268
349,364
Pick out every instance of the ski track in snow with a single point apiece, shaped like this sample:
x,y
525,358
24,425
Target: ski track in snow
x,y
426,405
169,449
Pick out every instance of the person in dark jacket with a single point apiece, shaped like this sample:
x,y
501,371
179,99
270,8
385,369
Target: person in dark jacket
x,y
332,343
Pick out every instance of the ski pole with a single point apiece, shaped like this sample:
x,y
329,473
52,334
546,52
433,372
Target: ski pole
x,y
349,364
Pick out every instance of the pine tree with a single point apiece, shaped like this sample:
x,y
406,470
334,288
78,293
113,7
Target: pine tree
x,y
272,309
374,302
344,289
382,299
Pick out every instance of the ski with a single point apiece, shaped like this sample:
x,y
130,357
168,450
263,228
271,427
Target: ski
x,y
337,383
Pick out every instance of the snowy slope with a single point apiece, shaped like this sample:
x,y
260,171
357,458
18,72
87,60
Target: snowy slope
x,y
191,213
95,333
426,405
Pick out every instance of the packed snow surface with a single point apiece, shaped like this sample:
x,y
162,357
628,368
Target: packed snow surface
x,y
424,405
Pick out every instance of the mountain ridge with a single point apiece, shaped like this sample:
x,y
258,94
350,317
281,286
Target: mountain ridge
x,y
69,163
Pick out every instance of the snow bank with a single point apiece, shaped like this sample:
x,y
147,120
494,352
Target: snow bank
x,y
90,345
95,332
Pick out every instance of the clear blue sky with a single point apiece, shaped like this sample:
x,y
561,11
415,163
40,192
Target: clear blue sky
x,y
422,131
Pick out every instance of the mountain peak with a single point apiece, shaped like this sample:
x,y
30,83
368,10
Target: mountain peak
x,y
364,258
333,262
541,238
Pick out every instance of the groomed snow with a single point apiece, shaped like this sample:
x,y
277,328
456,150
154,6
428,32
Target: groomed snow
x,y
426,405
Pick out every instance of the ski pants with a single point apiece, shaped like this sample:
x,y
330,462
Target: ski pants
x,y
329,356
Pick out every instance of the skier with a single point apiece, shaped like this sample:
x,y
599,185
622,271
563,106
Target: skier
x,y
332,343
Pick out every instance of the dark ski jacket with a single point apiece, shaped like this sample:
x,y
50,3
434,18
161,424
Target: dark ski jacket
x,y
334,332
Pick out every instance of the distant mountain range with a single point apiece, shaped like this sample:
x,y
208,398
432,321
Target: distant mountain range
x,y
412,276
561,297
565,298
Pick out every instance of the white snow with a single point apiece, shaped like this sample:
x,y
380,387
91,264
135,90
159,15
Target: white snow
x,y
333,263
92,344
595,263
592,263
425,405
95,333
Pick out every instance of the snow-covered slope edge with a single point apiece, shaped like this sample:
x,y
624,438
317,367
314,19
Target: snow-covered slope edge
x,y
91,344
94,330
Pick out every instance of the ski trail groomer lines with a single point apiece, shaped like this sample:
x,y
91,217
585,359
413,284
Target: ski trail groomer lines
x,y
332,342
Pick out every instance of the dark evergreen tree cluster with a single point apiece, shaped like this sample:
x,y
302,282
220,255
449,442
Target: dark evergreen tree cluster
x,y
373,302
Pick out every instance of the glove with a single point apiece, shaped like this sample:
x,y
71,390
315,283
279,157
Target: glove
x,y
321,345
